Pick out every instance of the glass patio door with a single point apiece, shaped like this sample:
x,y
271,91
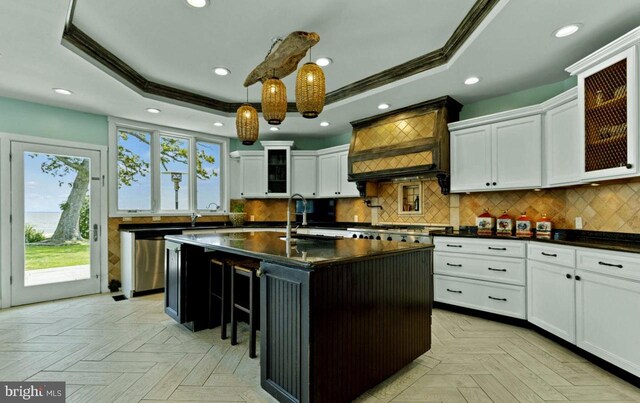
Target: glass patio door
x,y
55,224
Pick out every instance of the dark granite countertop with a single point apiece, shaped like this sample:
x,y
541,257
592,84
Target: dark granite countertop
x,y
615,241
308,252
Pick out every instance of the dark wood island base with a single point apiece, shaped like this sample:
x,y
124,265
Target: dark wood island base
x,y
332,328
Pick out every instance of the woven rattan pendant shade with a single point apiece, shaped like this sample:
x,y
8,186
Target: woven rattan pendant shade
x,y
274,101
310,90
247,124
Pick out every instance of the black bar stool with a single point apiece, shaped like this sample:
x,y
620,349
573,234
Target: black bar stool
x,y
247,269
219,289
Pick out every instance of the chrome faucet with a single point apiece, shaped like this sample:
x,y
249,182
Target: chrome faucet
x,y
304,214
194,217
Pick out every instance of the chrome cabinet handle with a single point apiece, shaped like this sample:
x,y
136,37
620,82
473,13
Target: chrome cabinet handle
x,y
492,269
619,266
549,254
455,291
454,265
497,299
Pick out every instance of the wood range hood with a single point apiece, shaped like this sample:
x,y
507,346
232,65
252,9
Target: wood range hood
x,y
406,144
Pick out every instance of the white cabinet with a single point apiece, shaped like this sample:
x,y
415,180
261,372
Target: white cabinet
x,y
252,175
471,159
328,175
346,188
483,274
506,154
608,106
333,170
607,318
516,154
304,175
551,301
561,139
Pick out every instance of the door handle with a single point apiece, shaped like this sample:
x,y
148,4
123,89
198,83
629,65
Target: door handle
x,y
95,232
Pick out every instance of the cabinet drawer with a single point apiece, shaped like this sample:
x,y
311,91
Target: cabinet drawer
x,y
491,247
499,269
626,265
503,299
563,256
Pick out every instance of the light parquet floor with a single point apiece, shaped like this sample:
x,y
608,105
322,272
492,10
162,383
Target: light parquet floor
x,y
130,351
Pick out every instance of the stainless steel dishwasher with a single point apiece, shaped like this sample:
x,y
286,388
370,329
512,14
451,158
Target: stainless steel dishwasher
x,y
149,264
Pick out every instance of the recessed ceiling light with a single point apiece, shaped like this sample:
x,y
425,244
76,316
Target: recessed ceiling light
x,y
324,124
218,124
324,61
153,110
383,106
274,129
62,91
197,3
566,30
221,71
472,80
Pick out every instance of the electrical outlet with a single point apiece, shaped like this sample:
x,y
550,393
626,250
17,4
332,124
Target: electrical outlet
x,y
126,219
578,222
355,218
252,218
156,218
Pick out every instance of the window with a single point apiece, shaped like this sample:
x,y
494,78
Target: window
x,y
208,176
174,173
134,170
164,172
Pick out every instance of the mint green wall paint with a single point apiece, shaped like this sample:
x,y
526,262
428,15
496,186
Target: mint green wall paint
x,y
301,142
520,99
21,117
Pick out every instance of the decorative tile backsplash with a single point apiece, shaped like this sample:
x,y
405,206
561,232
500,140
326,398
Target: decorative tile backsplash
x,y
549,202
435,206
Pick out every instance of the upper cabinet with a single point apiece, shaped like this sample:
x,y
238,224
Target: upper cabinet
x,y
333,171
279,172
304,174
561,161
277,160
608,106
503,154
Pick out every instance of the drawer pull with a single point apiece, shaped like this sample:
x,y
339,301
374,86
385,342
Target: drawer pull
x,y
549,254
619,266
454,265
454,246
497,299
492,269
457,292
492,248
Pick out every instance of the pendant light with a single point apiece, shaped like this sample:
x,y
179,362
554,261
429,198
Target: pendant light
x,y
310,90
247,126
274,100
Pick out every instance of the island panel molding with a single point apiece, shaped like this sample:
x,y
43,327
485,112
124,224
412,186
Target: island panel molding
x,y
79,42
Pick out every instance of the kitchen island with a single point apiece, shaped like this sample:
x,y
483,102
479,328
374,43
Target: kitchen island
x,y
338,316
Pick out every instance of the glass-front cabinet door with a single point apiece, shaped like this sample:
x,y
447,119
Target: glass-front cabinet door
x,y
609,109
278,170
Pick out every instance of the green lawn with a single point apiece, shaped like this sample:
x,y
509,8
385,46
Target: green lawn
x,y
46,257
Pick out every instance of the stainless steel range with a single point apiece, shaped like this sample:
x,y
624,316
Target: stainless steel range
x,y
399,234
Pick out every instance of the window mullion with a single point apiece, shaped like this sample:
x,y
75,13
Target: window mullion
x,y
155,171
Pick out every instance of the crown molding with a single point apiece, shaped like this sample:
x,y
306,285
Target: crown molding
x,y
626,41
82,44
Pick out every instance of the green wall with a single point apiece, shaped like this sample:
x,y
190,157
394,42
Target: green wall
x,y
21,117
520,99
301,143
